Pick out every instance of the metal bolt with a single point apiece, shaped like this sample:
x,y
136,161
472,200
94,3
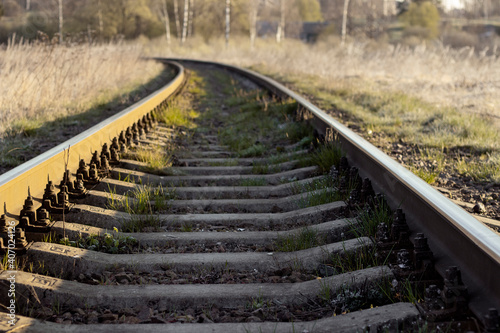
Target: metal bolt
x,y
83,170
20,238
28,210
432,299
492,321
382,234
114,143
50,193
399,226
343,165
404,260
455,293
105,151
366,190
422,251
95,160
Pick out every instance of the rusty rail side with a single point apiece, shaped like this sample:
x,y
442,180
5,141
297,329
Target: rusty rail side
x,y
33,174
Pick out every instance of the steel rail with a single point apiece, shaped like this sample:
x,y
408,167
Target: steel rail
x,y
455,237
33,174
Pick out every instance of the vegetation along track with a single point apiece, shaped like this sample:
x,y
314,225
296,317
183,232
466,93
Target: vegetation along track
x,y
236,206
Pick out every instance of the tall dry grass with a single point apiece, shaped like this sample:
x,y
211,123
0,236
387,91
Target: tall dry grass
x,y
43,82
463,78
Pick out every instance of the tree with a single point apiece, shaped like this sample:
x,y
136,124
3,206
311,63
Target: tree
x,y
60,21
310,10
185,21
164,15
422,15
280,33
177,20
228,21
344,21
190,18
253,10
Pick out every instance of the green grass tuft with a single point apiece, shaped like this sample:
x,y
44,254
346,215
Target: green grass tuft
x,y
306,238
325,157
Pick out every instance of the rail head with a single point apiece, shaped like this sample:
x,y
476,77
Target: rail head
x,y
455,236
33,174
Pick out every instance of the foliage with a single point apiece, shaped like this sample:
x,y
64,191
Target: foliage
x,y
310,10
305,238
424,15
108,243
325,157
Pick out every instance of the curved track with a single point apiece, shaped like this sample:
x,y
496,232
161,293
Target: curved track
x,y
455,237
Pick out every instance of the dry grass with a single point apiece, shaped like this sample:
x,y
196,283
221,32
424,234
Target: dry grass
x,y
459,78
39,83
430,95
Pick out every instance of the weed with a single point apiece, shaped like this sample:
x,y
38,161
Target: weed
x,y
108,243
187,227
325,157
297,131
484,168
127,179
349,261
253,182
431,164
142,200
369,218
400,291
142,223
303,239
178,114
229,162
157,159
253,151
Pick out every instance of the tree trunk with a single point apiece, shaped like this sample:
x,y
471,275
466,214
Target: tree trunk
x,y
99,17
60,21
185,21
253,23
177,21
280,33
190,18
344,22
228,21
166,21
28,5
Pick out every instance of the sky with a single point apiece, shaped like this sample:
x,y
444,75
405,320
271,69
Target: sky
x,y
452,4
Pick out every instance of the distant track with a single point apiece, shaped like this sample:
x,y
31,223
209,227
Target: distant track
x,y
176,277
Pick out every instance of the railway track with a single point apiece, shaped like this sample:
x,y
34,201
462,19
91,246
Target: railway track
x,y
236,206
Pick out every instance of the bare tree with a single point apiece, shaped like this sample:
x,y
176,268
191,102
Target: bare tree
x,y
253,10
280,32
185,21
344,22
164,15
190,18
177,21
486,7
228,21
99,17
28,5
60,21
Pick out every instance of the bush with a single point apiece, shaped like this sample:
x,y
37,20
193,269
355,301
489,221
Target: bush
x,y
423,15
459,39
